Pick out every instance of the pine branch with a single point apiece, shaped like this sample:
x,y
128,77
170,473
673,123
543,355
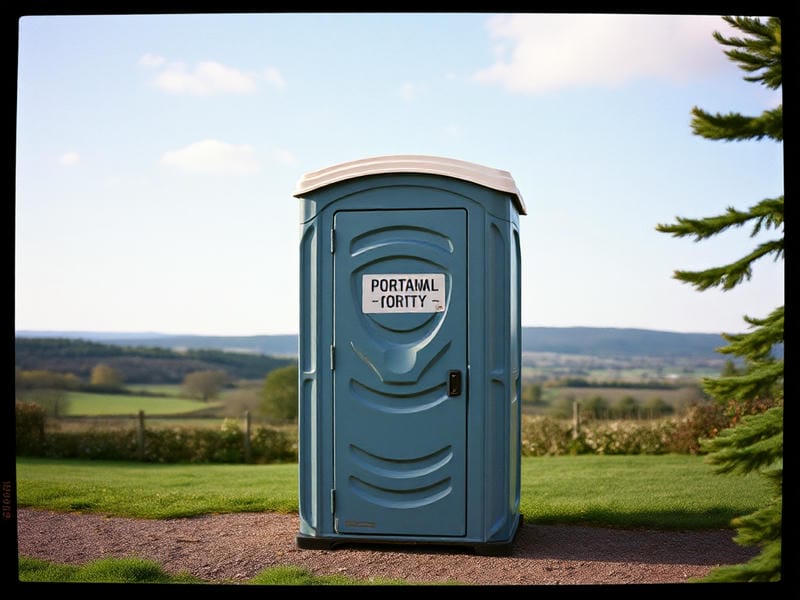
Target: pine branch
x,y
765,567
761,526
760,52
729,276
757,344
768,214
756,442
737,127
761,378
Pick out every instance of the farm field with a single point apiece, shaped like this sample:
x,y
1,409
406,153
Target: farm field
x,y
165,389
675,396
174,409
552,396
548,366
122,422
179,391
88,404
82,411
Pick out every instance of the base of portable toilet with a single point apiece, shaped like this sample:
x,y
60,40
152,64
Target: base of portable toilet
x,y
409,365
495,548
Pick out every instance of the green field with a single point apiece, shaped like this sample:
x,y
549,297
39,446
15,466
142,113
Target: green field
x,y
87,404
117,422
165,389
179,391
612,394
659,492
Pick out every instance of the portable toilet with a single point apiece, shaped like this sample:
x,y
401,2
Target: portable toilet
x,y
409,354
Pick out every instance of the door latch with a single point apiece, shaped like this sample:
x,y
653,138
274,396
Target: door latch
x,y
454,383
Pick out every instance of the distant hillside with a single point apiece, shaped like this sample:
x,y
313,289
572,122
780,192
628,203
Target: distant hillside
x,y
595,341
135,362
95,336
588,341
270,345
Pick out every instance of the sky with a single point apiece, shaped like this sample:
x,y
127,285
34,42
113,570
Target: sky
x,y
157,156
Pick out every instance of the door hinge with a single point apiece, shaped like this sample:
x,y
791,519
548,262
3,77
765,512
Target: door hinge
x,y
333,241
333,501
333,357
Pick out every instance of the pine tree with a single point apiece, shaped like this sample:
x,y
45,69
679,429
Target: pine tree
x,y
755,393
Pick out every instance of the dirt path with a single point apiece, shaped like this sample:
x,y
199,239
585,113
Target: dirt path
x,y
235,547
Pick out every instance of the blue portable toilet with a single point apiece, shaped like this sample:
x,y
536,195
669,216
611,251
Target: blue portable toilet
x,y
409,354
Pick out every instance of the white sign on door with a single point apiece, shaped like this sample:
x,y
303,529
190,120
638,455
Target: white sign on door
x,y
402,293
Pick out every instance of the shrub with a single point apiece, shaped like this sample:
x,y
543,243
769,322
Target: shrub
x,y
162,445
628,437
105,377
656,407
625,408
700,421
108,444
205,384
545,436
279,394
30,421
273,445
39,379
541,436
53,401
194,445
561,407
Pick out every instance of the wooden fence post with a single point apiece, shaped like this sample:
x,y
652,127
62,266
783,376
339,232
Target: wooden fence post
x,y
576,419
247,436
140,435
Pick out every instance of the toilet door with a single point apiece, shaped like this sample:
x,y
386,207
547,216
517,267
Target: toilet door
x,y
399,357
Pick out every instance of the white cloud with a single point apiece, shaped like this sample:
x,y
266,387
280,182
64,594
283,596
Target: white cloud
x,y
213,156
151,60
207,77
274,78
69,158
537,53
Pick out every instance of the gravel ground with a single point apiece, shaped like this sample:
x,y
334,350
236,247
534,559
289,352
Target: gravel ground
x,y
232,548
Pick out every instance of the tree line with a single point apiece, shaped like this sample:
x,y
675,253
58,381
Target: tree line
x,y
137,364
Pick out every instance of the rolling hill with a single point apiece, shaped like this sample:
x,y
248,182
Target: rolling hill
x,y
136,362
588,341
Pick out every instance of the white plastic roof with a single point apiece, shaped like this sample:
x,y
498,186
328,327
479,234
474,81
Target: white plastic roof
x,y
412,163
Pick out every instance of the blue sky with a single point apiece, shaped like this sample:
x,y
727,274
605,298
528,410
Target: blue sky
x,y
157,156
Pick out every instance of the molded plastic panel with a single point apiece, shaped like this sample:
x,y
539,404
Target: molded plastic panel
x,y
400,438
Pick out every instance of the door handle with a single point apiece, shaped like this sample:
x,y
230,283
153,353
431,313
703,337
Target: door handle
x,y
454,383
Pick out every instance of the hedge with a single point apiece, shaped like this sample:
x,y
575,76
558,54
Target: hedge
x,y
541,436
168,445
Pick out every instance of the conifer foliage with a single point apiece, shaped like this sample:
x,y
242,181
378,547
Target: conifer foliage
x,y
755,443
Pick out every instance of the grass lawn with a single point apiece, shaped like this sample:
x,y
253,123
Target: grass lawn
x,y
663,492
155,490
137,570
659,492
